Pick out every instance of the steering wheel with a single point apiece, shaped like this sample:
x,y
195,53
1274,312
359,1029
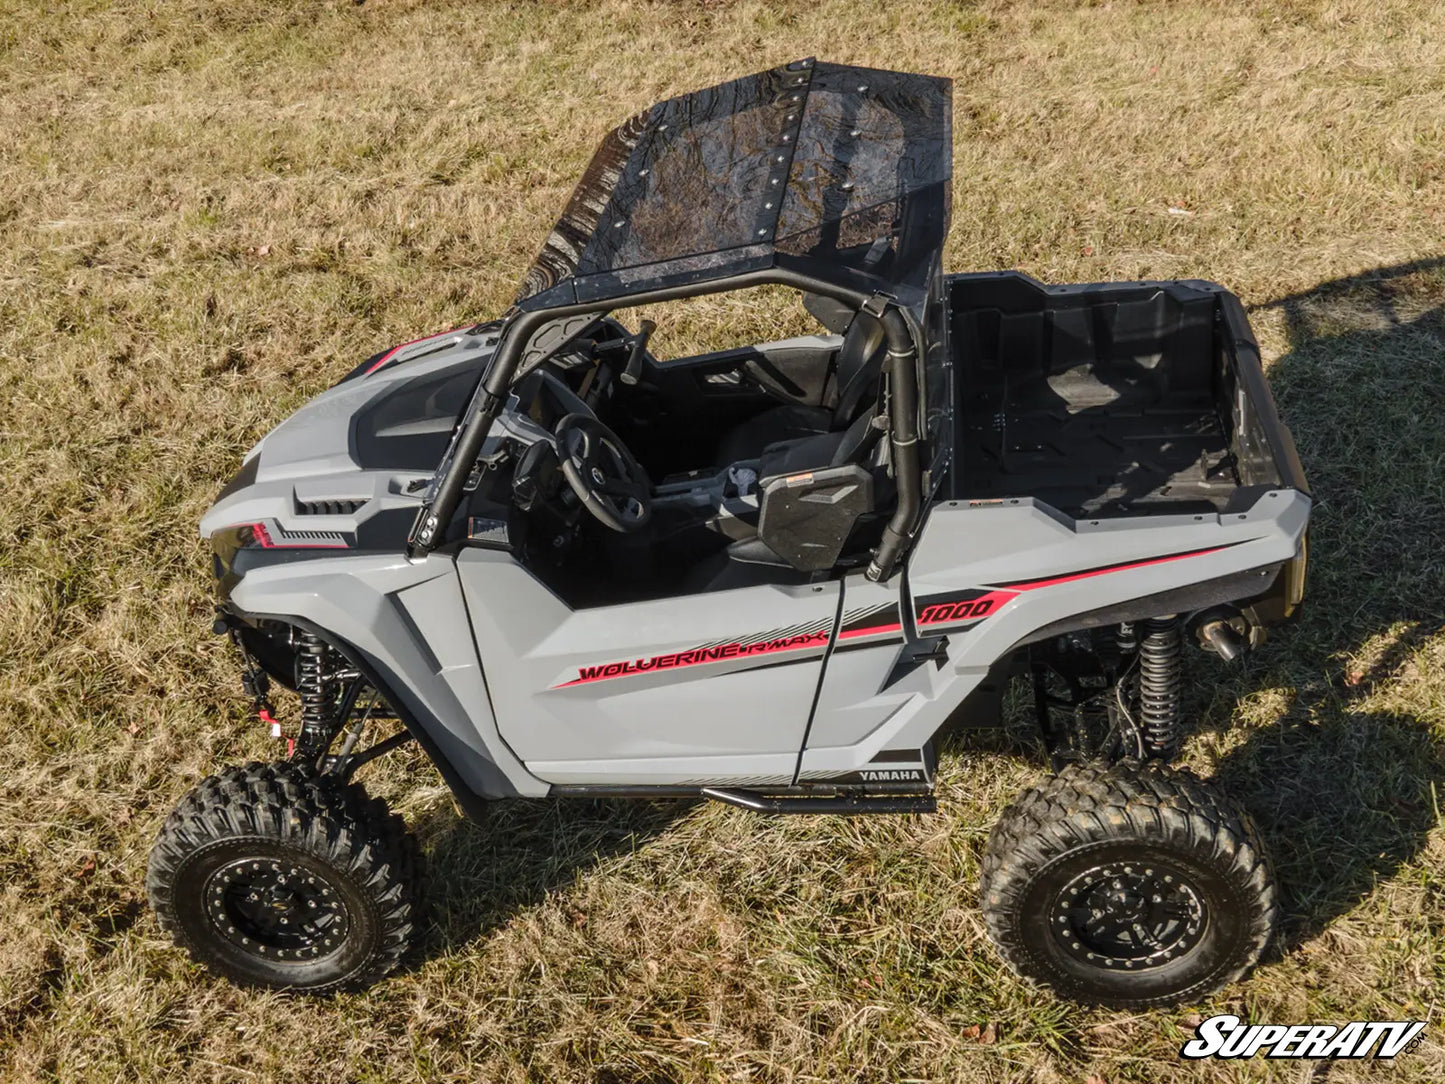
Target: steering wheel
x,y
609,482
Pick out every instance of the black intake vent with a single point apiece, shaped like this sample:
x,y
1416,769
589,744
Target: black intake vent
x,y
327,508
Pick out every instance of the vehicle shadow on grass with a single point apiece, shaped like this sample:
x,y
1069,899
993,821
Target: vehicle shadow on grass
x,y
1341,786
481,875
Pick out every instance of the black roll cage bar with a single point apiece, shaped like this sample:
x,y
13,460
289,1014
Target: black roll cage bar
x,y
905,347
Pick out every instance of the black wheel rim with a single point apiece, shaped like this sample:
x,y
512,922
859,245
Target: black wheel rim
x,y
276,909
1129,916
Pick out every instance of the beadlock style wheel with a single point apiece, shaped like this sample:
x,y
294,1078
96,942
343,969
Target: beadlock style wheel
x,y
273,876
1129,915
1130,885
280,908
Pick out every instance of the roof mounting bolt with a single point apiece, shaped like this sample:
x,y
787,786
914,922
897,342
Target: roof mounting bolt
x,y
618,225
762,233
782,158
767,206
862,87
642,173
794,116
786,138
847,186
774,180
856,132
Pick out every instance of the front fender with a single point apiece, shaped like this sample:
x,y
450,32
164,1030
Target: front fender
x,y
405,626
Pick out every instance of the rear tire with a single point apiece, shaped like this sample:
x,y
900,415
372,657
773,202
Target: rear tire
x,y
274,876
1132,885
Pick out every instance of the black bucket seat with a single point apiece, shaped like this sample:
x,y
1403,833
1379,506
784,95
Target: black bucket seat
x,y
859,363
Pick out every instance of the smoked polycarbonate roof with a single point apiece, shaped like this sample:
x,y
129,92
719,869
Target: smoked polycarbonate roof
x,y
837,171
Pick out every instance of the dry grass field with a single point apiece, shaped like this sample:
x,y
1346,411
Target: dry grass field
x,y
210,212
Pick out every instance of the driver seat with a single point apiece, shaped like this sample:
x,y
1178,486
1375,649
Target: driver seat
x,y
859,365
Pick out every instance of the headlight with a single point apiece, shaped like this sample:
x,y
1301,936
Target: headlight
x,y
1294,573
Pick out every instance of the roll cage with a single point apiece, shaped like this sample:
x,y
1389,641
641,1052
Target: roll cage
x,y
830,179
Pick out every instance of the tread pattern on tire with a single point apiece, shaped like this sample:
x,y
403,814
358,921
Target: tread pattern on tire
x,y
1086,803
335,820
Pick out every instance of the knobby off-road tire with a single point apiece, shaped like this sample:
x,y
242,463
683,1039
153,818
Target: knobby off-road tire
x,y
274,876
1133,885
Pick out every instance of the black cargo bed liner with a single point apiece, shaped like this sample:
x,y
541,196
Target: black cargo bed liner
x,y
1100,402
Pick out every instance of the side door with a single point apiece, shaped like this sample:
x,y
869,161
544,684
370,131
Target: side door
x,y
696,689
871,676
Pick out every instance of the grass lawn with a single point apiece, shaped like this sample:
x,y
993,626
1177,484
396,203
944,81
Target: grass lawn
x,y
209,213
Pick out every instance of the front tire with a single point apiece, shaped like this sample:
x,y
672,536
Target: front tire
x,y
274,876
1132,885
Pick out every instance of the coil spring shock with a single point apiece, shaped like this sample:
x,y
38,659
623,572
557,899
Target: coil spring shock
x,y
316,695
1161,671
1127,641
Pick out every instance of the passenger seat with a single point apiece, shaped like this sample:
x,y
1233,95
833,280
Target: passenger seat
x,y
859,364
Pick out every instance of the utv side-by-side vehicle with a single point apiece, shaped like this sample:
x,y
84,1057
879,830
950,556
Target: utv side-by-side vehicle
x,y
773,575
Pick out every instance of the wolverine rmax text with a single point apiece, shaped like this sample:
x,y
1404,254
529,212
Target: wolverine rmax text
x,y
697,655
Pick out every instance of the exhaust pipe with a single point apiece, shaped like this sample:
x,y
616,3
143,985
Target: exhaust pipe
x,y
1223,639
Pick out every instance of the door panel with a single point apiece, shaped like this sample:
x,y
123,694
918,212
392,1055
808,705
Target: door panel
x,y
699,688
857,696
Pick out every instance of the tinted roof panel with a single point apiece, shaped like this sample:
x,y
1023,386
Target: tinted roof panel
x,y
848,166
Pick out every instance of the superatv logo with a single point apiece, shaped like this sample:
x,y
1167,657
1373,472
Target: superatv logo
x,y
715,653
1228,1037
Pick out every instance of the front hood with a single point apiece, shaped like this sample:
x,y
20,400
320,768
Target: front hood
x,y
363,449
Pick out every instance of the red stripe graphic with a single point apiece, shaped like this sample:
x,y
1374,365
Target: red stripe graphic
x,y
875,630
397,349
1029,585
968,608
977,607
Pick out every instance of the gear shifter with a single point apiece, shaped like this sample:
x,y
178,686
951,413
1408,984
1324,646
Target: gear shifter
x,y
633,372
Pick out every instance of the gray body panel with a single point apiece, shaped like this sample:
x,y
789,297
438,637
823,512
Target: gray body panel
x,y
963,546
741,719
405,619
574,712
311,455
776,685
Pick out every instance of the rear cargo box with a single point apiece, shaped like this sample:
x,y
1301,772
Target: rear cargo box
x,y
1117,399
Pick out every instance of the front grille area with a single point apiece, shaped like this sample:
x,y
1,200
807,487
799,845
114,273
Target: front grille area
x,y
280,537
328,507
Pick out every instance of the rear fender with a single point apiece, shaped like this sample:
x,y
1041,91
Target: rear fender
x,y
988,577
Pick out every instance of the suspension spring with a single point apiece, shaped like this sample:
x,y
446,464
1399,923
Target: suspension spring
x,y
317,695
1161,672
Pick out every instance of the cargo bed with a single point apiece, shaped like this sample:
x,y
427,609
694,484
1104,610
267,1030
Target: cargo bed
x,y
1117,399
